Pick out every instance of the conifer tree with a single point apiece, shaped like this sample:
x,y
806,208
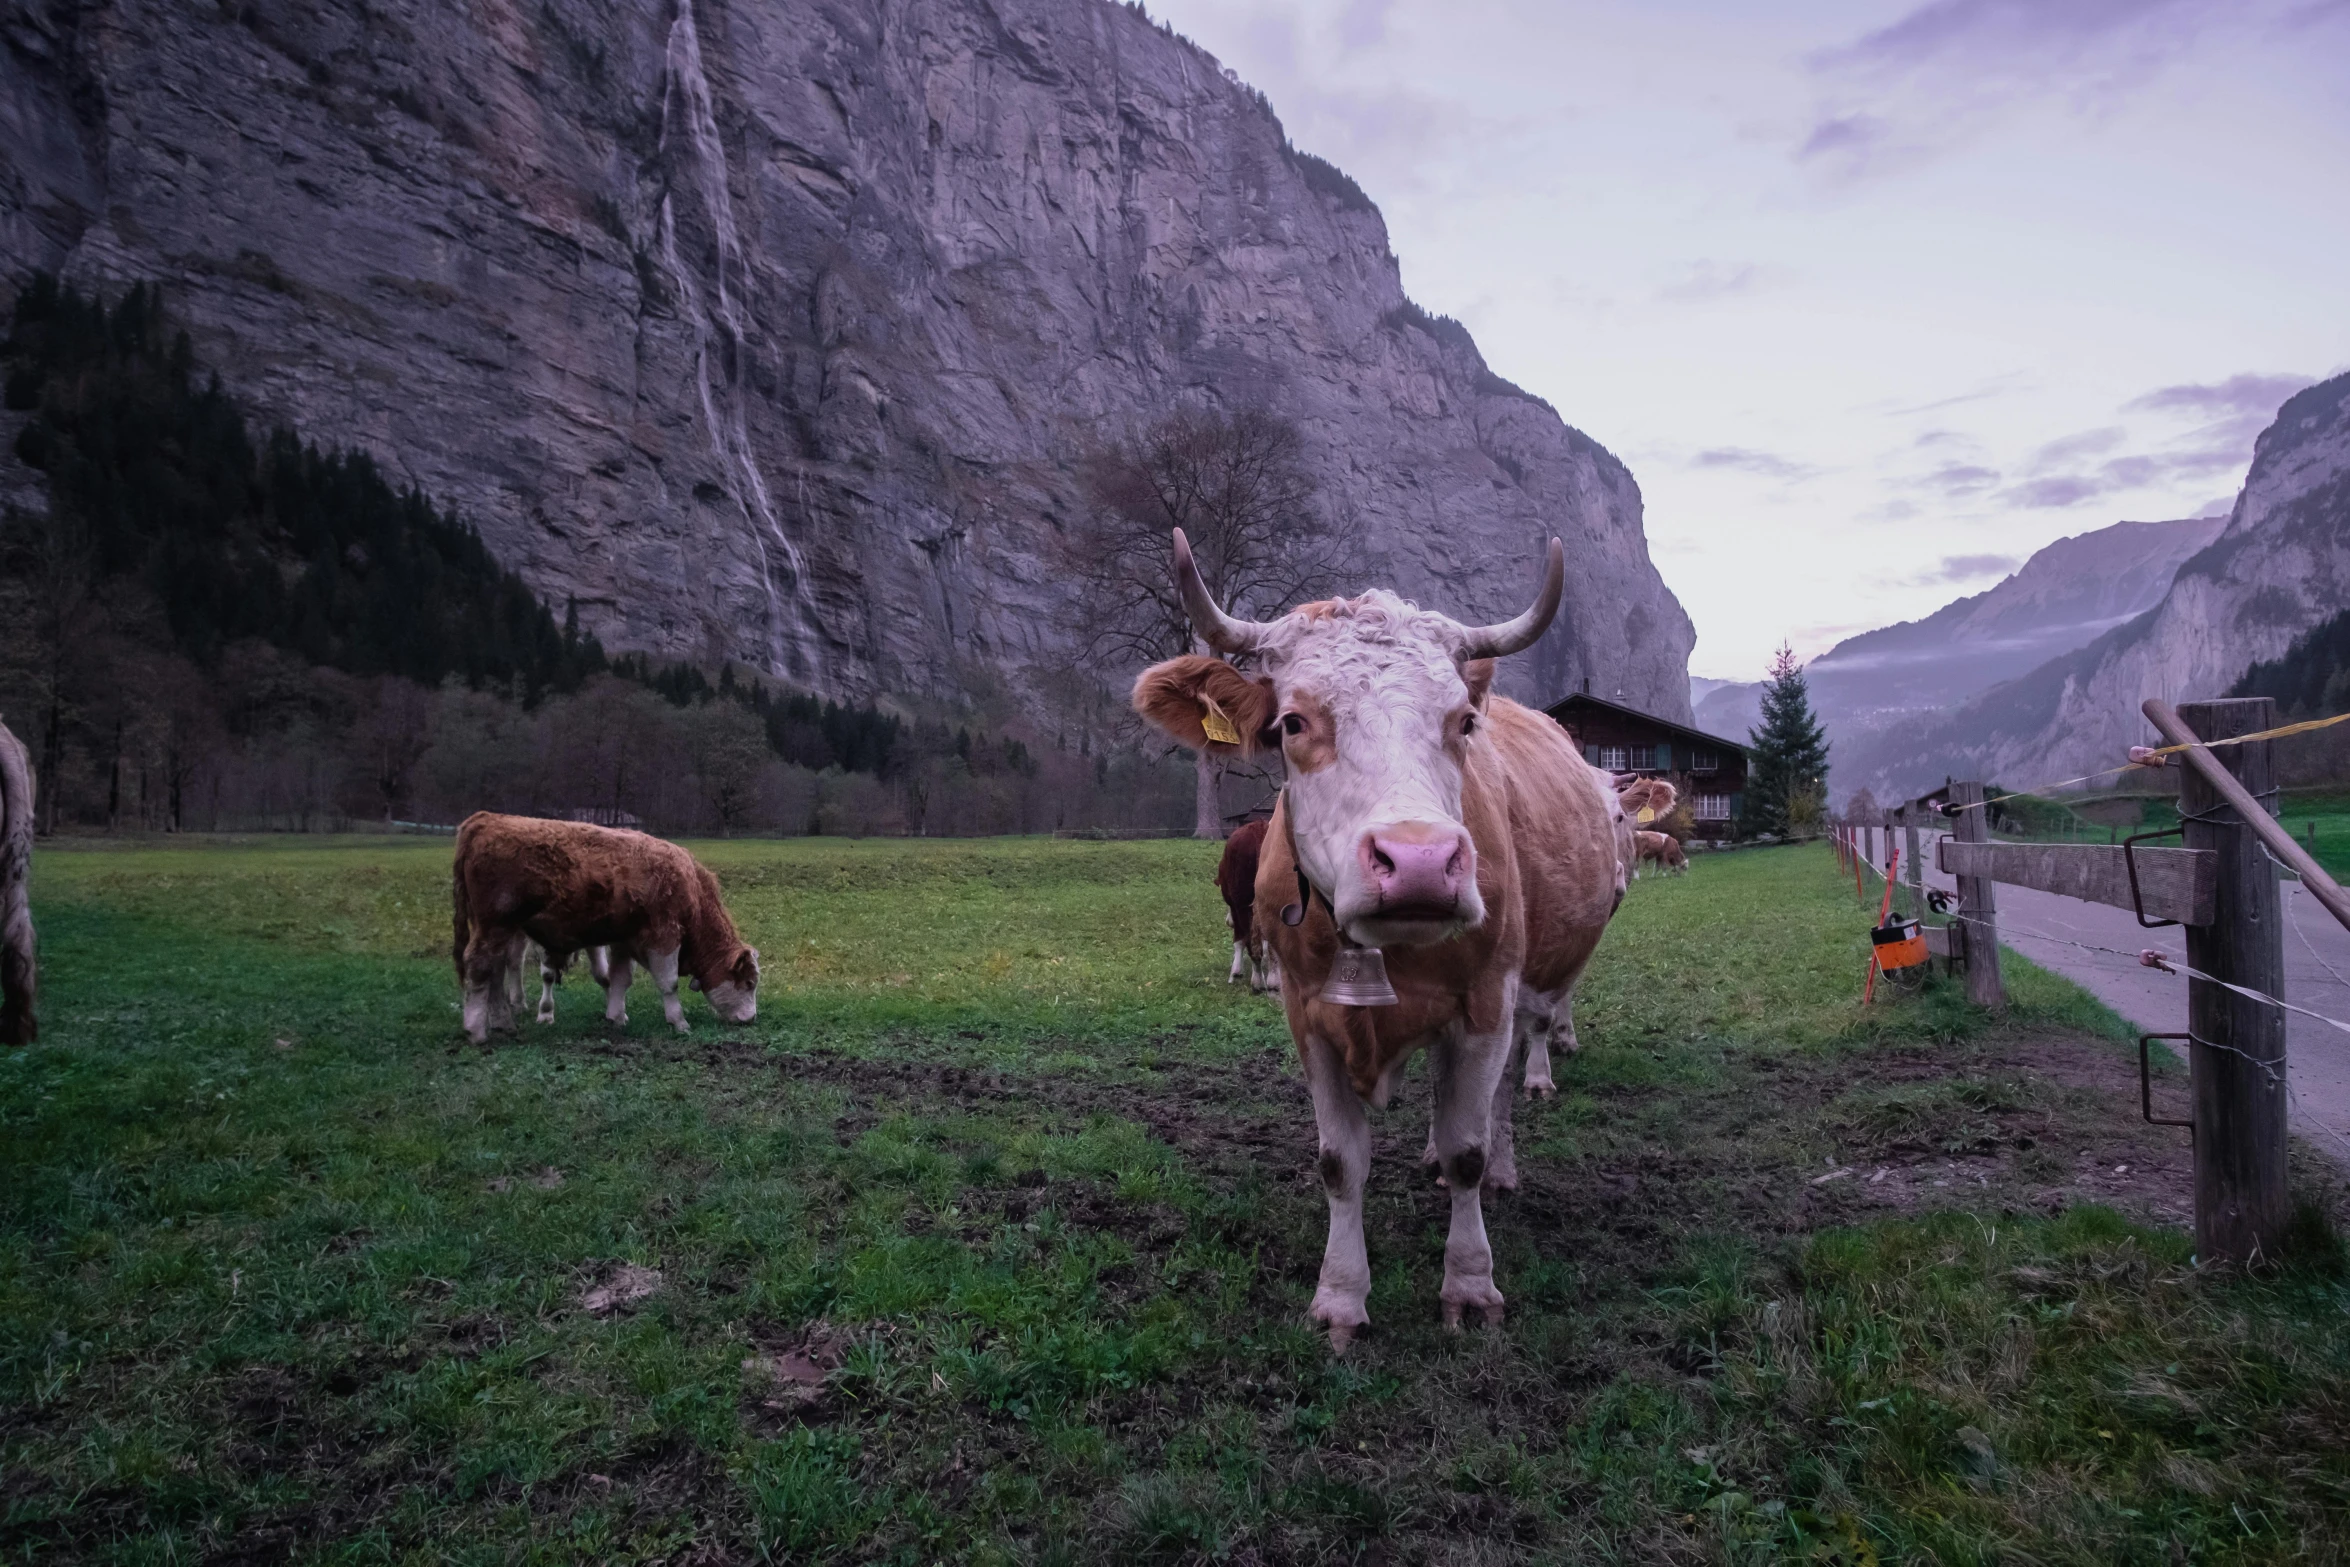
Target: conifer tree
x,y
1787,771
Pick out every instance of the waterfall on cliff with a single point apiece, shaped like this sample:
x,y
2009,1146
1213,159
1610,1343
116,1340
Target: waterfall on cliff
x,y
689,131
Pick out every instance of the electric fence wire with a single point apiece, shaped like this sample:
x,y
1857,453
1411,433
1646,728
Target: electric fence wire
x,y
2163,963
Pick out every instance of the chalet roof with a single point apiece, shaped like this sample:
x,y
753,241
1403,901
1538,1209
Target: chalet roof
x,y
1564,708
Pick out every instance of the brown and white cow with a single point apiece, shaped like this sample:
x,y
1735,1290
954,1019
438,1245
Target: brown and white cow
x,y
1662,850
1457,832
19,976
569,886
1236,879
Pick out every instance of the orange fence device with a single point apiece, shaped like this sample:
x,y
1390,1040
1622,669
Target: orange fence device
x,y
1900,944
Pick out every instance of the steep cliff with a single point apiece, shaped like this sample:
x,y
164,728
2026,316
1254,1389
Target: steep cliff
x,y
776,329
2281,566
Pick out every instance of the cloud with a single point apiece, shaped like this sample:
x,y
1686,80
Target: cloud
x,y
1955,479
1906,91
1768,465
2043,494
2087,443
1363,24
2239,395
1968,568
1704,280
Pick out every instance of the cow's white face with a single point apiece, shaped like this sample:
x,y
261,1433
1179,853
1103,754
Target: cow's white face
x,y
736,997
1377,706
1376,717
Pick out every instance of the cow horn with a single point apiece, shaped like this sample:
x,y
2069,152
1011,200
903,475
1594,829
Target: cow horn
x,y
1508,636
1217,629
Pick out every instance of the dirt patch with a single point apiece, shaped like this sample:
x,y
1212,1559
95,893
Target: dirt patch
x,y
621,1286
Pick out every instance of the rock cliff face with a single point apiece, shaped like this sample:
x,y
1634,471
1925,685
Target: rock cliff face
x,y
2280,566
776,329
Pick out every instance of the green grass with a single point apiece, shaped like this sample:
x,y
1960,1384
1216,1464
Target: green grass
x,y
290,1272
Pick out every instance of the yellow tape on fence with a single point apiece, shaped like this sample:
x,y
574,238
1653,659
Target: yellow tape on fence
x,y
2145,756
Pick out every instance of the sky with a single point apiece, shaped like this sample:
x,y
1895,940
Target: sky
x,y
1874,298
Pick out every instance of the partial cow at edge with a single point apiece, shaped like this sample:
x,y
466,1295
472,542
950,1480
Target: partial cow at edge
x,y
19,969
570,887
1236,879
1460,834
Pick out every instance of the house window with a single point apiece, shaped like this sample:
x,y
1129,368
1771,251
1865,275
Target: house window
x,y
1643,758
1704,762
1613,758
1712,807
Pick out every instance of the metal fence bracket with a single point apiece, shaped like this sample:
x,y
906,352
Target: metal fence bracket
x,y
2146,1075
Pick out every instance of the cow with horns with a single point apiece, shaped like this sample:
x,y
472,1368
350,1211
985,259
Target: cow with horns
x,y
1442,861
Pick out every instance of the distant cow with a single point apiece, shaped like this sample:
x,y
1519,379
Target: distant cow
x,y
1236,879
1662,850
1551,1020
1434,838
18,975
569,887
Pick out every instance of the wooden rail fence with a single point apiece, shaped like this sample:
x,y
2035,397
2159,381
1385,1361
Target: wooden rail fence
x,y
2217,884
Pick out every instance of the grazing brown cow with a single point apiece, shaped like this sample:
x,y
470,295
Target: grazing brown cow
x,y
1662,850
1433,838
19,976
569,886
1236,879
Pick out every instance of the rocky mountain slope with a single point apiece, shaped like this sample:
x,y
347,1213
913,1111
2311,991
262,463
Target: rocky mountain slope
x,y
2280,566
2064,597
777,329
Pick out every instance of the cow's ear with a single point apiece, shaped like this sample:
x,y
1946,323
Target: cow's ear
x,y
1477,673
746,968
1205,704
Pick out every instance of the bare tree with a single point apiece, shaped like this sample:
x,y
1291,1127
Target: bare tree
x,y
1236,484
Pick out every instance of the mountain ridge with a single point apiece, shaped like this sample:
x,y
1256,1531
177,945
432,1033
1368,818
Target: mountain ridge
x,y
2279,568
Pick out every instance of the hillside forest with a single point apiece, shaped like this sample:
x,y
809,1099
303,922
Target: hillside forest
x,y
206,628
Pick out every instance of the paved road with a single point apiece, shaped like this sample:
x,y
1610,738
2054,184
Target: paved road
x,y
2317,976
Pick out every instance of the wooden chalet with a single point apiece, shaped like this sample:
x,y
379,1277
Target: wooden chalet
x,y
1623,739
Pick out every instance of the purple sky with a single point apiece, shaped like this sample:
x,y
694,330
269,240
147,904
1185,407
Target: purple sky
x,y
1875,298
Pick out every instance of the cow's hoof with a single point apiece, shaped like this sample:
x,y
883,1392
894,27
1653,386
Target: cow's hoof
x,y
1545,1089
1502,1178
1342,1315
1483,1298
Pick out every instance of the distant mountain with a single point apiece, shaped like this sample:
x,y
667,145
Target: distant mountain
x,y
2064,597
1728,708
2279,568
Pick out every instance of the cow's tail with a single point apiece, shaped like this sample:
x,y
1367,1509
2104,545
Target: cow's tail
x,y
19,975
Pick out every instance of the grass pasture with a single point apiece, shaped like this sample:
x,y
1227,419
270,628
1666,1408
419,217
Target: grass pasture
x,y
990,1241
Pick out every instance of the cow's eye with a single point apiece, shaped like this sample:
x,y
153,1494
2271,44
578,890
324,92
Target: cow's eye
x,y
1468,725
1293,723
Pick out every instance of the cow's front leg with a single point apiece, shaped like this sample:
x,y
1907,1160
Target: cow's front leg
x,y
1267,976
1469,1067
487,962
617,974
549,977
1535,1028
1342,1295
663,967
1239,963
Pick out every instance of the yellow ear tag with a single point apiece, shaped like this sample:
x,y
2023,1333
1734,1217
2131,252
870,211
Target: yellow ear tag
x,y
1647,814
1218,726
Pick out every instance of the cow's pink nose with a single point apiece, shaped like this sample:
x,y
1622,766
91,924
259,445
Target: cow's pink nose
x,y
1415,868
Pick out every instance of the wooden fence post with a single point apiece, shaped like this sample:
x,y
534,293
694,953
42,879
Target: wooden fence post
x,y
1976,905
2238,1050
1917,867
